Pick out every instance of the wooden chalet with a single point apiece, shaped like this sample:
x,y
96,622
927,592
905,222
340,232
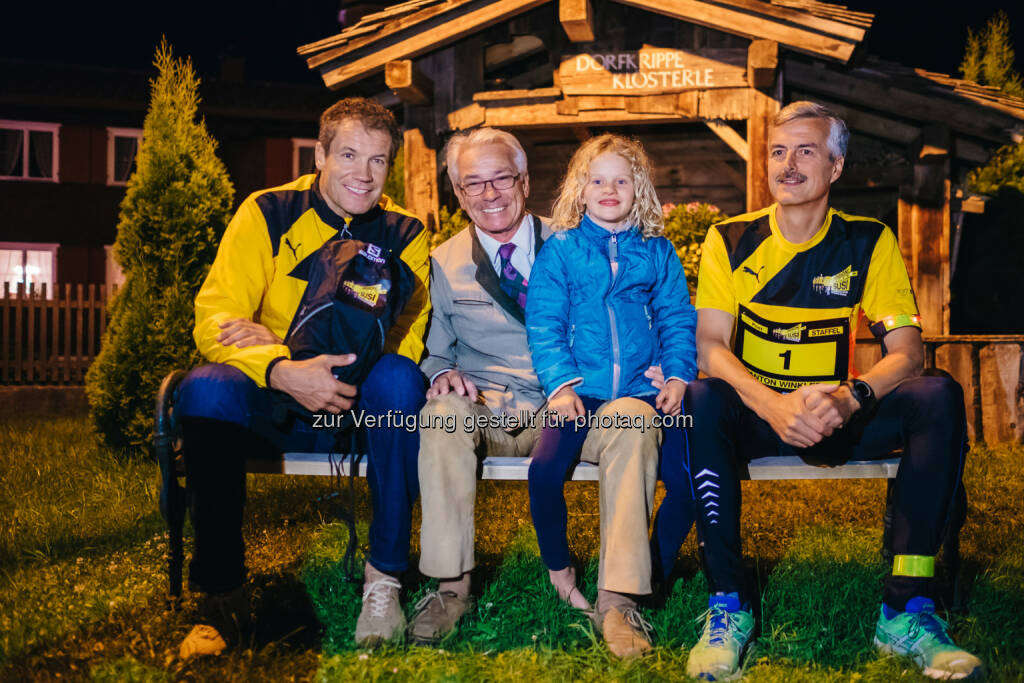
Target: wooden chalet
x,y
697,81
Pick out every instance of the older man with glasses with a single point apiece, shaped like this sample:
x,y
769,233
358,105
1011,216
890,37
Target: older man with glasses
x,y
481,372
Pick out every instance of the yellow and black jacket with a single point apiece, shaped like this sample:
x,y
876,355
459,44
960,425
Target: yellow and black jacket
x,y
797,305
272,232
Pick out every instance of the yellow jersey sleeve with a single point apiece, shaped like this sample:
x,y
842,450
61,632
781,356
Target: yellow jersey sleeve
x,y
714,279
888,299
234,288
406,337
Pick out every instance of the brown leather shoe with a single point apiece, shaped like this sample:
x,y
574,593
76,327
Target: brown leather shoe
x,y
626,633
436,616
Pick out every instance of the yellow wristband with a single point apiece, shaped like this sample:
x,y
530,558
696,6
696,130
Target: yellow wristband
x,y
922,566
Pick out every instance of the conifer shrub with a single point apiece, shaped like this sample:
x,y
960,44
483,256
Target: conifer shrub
x,y
176,207
1004,169
989,57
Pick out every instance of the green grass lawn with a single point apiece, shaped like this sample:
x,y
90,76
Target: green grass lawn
x,y
83,587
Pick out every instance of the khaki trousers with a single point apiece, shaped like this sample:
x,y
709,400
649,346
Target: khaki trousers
x,y
628,472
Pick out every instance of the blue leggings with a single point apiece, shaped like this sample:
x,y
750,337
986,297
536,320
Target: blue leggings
x,y
557,452
226,417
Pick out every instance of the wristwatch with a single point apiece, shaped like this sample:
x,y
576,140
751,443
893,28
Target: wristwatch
x,y
863,393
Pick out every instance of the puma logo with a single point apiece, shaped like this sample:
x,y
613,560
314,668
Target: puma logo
x,y
295,252
757,274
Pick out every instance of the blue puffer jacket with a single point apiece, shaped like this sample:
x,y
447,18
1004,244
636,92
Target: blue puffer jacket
x,y
604,307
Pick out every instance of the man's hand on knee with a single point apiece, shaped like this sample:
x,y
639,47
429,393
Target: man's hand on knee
x,y
452,381
792,419
312,383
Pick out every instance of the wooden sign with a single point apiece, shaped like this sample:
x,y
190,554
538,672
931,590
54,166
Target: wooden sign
x,y
652,70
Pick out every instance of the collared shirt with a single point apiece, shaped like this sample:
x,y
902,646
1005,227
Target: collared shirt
x,y
524,254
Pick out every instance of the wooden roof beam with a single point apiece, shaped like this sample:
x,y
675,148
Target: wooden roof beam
x,y
547,115
802,32
416,41
890,97
408,82
730,137
498,55
577,17
892,130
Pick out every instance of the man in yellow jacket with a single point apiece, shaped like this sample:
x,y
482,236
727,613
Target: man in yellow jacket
x,y
243,312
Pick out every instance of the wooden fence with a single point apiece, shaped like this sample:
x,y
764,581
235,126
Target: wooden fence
x,y
50,339
990,368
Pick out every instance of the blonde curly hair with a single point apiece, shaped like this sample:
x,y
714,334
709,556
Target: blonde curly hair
x,y
569,208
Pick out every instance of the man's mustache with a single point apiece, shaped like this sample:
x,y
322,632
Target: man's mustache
x,y
791,175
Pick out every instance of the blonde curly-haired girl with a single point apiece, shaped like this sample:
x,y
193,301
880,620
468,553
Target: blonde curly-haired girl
x,y
607,300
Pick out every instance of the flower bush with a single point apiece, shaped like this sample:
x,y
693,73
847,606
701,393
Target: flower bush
x,y
686,225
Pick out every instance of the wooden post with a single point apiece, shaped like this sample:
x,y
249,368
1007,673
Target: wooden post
x,y
19,325
421,178
924,232
762,63
67,333
79,349
1002,399
5,334
30,332
763,107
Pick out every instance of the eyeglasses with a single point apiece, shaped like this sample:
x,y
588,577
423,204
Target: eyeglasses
x,y
502,182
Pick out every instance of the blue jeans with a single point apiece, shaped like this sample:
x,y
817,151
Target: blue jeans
x,y
226,417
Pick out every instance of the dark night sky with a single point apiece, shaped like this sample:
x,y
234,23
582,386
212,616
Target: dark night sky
x,y
920,33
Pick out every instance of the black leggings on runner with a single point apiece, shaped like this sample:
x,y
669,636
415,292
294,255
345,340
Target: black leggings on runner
x,y
923,416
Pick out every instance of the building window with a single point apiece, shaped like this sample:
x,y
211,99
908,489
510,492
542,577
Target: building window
x,y
28,150
30,265
303,158
122,148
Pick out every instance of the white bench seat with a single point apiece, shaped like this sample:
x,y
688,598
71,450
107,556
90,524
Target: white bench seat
x,y
515,469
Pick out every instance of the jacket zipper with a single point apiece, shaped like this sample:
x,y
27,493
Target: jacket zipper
x,y
650,321
380,326
309,315
613,259
572,335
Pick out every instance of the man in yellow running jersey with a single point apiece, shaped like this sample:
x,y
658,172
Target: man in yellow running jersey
x,y
779,295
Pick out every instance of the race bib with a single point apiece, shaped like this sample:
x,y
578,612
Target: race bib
x,y
787,356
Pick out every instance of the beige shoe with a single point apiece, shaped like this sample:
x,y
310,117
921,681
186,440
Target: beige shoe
x,y
436,616
381,618
626,633
222,618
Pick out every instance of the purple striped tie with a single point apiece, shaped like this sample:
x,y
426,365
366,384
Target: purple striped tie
x,y
511,280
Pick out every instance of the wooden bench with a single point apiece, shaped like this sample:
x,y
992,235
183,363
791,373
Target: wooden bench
x,y
167,450
515,469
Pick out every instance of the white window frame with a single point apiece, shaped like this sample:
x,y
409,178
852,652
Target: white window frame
x,y
113,133
25,127
34,246
297,144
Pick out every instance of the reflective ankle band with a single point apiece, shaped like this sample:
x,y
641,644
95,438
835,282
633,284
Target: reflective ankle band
x,y
922,566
